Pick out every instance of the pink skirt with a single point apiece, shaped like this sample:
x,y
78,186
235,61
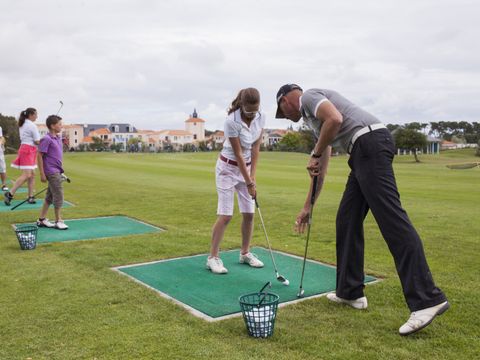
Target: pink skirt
x,y
27,158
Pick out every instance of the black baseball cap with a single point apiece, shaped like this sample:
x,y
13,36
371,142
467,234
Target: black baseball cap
x,y
284,90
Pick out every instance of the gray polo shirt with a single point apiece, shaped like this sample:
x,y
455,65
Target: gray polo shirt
x,y
354,118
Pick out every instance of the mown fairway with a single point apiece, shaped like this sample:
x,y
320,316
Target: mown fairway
x,y
62,301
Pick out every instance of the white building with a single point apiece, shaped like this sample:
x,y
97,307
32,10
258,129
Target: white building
x,y
73,135
195,126
273,136
176,137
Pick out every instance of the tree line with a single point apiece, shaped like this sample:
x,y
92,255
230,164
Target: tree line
x,y
410,136
446,130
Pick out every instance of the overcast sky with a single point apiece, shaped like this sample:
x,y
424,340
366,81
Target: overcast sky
x,y
151,62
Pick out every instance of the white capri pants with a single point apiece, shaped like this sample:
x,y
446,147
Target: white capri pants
x,y
228,180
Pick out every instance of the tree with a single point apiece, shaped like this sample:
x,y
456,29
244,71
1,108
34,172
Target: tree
x,y
188,148
290,142
393,127
202,146
413,126
118,147
307,142
97,144
10,133
411,140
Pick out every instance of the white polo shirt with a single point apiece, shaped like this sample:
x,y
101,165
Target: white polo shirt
x,y
29,133
235,127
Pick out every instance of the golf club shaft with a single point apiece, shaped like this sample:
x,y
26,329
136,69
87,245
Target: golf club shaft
x,y
266,236
24,201
269,284
312,202
60,108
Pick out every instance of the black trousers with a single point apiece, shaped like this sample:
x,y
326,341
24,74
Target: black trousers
x,y
371,186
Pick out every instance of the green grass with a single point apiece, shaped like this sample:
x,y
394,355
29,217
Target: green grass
x,y
62,301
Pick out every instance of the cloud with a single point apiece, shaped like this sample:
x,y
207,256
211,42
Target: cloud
x,y
150,63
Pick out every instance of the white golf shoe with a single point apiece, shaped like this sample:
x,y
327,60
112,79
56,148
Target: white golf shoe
x,y
250,259
422,318
215,265
45,223
60,225
359,304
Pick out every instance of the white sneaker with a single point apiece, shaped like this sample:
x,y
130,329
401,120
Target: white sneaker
x,y
60,225
250,259
45,223
215,265
421,318
4,188
359,304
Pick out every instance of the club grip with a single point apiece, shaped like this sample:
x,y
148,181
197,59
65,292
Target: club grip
x,y
269,284
314,190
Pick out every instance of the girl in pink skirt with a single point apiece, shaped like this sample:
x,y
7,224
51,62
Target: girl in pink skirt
x,y
27,154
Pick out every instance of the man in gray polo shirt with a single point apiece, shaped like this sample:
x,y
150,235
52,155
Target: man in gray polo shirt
x,y
371,185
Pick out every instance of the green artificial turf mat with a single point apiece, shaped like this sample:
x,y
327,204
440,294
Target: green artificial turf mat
x,y
94,228
211,296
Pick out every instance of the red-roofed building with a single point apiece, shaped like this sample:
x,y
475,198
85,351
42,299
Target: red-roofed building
x,y
273,136
179,137
87,140
448,145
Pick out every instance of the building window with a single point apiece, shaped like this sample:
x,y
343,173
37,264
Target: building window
x,y
195,137
166,138
76,141
194,124
75,132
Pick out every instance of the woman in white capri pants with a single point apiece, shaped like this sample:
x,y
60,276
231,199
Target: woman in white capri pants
x,y
235,172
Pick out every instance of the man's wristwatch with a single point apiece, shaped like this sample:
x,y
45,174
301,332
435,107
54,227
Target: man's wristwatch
x,y
316,156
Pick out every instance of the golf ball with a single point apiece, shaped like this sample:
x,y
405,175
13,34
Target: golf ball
x,y
286,282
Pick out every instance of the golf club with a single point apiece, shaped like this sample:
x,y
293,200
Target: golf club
x,y
301,292
280,278
64,178
269,285
61,105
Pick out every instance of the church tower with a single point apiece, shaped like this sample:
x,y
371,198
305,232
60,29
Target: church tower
x,y
196,126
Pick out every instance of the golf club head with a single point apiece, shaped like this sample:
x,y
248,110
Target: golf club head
x,y
283,280
301,294
65,178
60,108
